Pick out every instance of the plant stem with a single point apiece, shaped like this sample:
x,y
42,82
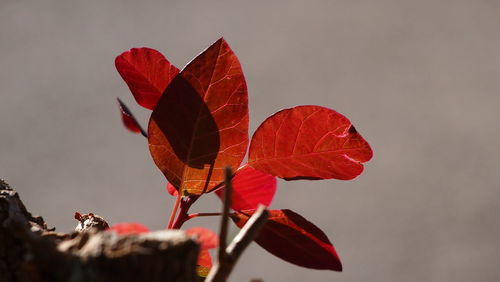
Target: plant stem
x,y
193,215
174,211
222,269
227,197
183,212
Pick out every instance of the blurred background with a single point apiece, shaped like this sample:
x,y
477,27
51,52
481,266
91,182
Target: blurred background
x,y
419,79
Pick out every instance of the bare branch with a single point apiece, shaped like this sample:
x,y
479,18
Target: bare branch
x,y
248,233
228,189
221,270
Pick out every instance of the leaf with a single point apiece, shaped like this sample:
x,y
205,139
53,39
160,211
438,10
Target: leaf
x,y
292,238
309,142
204,263
206,237
200,124
251,188
128,119
128,228
147,74
208,240
172,190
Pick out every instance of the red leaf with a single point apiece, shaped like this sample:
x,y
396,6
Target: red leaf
x,y
172,190
206,237
204,263
251,188
128,228
147,74
129,121
200,125
309,142
208,240
292,238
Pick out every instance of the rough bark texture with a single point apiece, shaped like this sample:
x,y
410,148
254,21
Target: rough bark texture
x,y
29,251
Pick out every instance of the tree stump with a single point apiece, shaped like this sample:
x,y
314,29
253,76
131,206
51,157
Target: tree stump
x,y
29,251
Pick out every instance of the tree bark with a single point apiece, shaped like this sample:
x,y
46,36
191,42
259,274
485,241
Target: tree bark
x,y
29,251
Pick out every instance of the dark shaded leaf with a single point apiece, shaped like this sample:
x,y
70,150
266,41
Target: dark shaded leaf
x,y
292,238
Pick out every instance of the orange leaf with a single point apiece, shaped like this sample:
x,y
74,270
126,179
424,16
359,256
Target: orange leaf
x,y
200,124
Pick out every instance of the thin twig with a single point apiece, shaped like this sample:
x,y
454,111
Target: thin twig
x,y
193,215
184,206
247,234
174,210
227,195
221,270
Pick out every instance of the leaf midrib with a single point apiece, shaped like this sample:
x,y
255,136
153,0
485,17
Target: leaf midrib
x,y
196,124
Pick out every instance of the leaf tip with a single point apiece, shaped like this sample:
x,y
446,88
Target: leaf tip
x,y
221,39
220,43
120,102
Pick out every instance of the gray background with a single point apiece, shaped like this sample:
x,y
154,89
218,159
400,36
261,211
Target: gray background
x,y
419,79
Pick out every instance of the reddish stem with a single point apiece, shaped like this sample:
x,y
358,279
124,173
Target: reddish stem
x,y
183,212
174,211
193,215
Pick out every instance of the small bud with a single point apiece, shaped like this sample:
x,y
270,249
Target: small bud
x,y
78,216
90,221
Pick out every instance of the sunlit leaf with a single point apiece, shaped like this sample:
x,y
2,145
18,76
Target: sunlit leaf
x,y
128,228
251,187
292,238
200,124
309,142
147,74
